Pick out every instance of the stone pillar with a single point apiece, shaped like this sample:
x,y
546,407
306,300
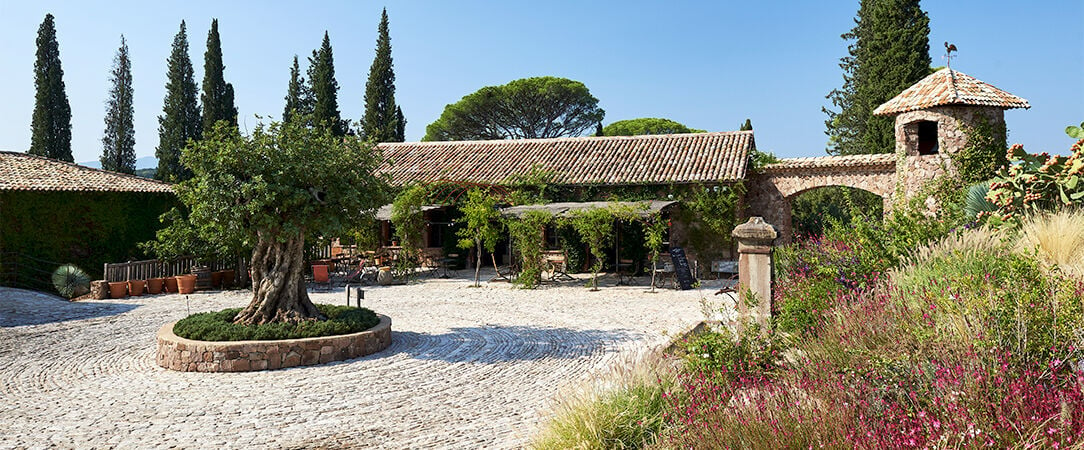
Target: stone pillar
x,y
755,239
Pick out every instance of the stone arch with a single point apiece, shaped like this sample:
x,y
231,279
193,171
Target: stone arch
x,y
772,189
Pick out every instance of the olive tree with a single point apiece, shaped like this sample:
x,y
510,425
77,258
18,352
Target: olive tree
x,y
274,188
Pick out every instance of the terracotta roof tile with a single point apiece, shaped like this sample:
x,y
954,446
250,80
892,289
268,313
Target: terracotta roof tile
x,y
25,172
949,87
647,159
832,162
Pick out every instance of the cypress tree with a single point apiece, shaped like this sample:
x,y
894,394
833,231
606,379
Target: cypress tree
x,y
380,123
295,94
747,126
51,124
400,125
181,112
217,95
890,52
118,140
324,89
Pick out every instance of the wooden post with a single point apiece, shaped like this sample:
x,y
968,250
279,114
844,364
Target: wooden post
x,y
755,239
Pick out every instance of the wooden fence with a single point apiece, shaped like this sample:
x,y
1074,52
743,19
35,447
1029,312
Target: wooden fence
x,y
153,268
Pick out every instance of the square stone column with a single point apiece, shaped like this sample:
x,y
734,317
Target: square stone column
x,y
755,238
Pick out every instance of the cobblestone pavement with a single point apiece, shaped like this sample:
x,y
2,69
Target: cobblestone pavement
x,y
468,368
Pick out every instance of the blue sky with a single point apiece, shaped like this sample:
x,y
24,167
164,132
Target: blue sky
x,y
709,65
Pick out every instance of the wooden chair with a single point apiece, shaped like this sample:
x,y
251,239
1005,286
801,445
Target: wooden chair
x,y
320,277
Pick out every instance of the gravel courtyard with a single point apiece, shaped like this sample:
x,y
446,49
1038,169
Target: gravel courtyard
x,y
467,368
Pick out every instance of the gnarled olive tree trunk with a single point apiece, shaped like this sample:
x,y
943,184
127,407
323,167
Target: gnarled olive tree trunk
x,y
278,284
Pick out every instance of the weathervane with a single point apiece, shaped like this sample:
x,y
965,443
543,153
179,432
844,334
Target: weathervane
x,y
949,48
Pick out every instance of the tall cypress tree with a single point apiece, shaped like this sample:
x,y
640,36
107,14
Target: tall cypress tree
x,y
118,140
324,89
747,126
297,96
381,115
217,95
181,113
890,52
400,125
51,125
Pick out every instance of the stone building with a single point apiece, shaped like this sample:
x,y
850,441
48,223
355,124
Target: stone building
x,y
933,120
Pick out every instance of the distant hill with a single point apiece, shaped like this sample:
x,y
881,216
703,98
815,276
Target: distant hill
x,y
146,162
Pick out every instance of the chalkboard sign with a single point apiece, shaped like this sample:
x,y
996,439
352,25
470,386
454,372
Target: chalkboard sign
x,y
681,268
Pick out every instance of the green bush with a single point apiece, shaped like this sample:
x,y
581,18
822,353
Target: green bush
x,y
219,326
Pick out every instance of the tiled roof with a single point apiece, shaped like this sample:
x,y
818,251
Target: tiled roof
x,y
949,87
833,162
647,159
25,172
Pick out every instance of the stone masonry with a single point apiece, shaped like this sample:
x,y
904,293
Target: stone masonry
x,y
186,355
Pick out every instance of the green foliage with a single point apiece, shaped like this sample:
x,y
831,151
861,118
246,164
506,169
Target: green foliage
x,y
381,120
309,183
889,53
985,151
538,107
596,226
721,351
298,95
71,281
322,94
86,229
409,219
811,210
219,326
528,236
533,187
975,202
626,417
217,95
711,213
1035,183
747,126
646,125
180,120
118,139
51,124
573,246
481,224
759,159
1005,298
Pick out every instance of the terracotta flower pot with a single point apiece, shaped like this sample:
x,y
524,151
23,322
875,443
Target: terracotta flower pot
x,y
135,287
228,277
216,279
118,289
154,285
186,284
171,284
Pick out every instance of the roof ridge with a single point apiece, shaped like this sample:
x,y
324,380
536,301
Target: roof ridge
x,y
572,138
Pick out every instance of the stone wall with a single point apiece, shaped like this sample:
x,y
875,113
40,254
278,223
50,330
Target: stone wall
x,y
952,136
186,355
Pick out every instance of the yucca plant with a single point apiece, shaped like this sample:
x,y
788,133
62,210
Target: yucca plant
x,y
71,281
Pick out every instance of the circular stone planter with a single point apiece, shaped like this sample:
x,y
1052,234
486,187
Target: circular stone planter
x,y
186,355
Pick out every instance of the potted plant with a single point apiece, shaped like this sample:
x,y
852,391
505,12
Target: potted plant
x,y
171,284
118,289
186,284
228,278
135,287
154,285
216,279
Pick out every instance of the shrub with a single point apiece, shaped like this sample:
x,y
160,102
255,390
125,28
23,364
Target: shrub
x,y
219,326
621,410
71,281
1057,239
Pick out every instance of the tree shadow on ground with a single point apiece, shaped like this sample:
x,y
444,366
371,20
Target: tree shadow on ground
x,y
498,344
20,307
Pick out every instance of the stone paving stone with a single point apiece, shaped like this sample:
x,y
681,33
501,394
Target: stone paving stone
x,y
467,368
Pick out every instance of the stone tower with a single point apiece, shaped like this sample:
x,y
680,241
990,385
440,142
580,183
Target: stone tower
x,y
932,121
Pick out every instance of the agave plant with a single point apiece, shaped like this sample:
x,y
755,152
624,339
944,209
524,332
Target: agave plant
x,y
71,281
976,203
